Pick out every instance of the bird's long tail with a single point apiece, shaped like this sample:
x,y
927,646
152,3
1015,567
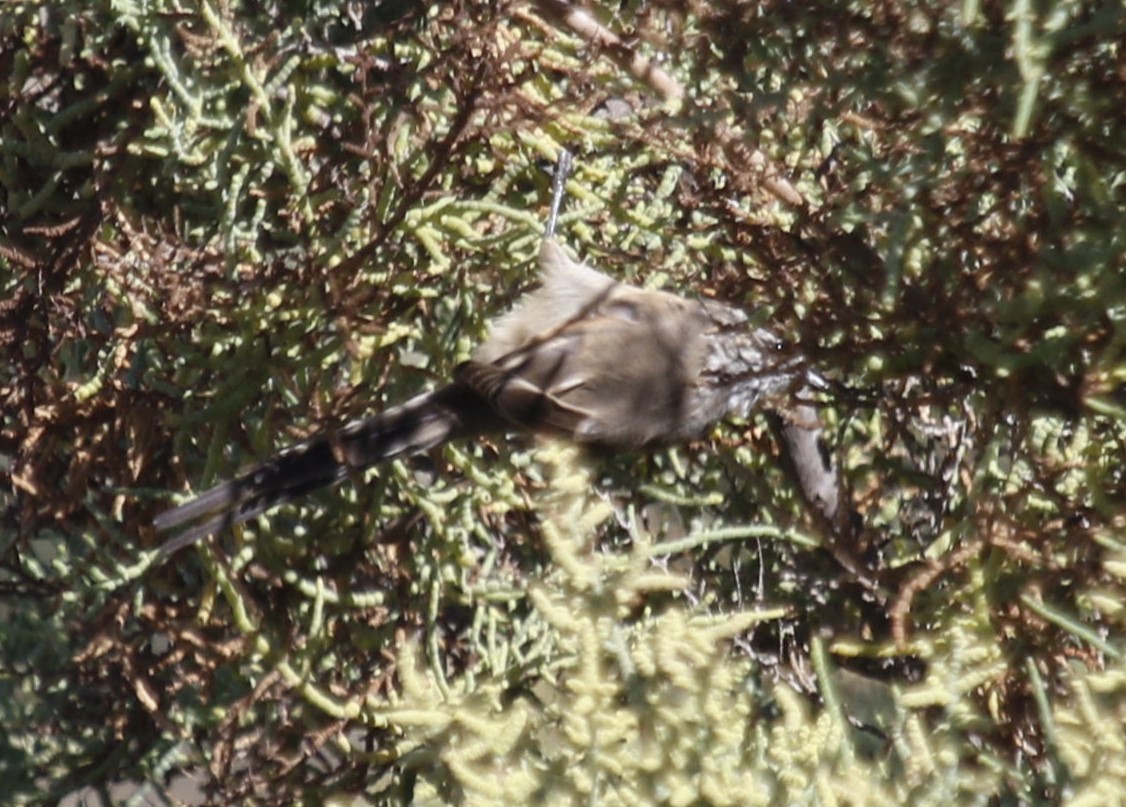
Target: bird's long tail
x,y
417,425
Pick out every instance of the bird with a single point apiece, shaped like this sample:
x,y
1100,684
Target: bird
x,y
608,365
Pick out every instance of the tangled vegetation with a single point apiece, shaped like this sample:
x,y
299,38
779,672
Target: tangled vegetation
x,y
226,227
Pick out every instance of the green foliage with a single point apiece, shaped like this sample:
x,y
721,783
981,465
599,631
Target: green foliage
x,y
227,226
629,709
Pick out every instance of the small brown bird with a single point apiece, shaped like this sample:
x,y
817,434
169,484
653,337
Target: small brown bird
x,y
584,357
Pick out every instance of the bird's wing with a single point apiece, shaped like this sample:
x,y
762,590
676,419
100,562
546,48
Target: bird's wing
x,y
520,401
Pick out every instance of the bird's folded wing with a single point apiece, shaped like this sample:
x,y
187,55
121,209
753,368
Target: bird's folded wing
x,y
519,401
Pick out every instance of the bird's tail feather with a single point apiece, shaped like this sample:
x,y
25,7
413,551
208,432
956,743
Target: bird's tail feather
x,y
417,425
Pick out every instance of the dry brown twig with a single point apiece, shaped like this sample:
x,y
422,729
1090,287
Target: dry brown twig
x,y
645,70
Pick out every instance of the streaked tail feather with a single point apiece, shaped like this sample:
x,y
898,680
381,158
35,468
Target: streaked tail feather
x,y
417,425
